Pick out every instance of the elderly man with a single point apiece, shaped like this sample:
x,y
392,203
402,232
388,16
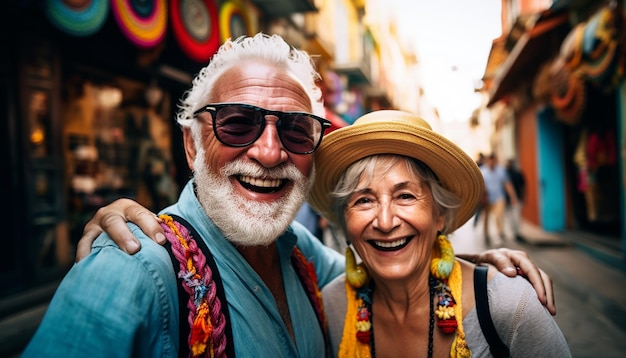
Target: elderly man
x,y
250,124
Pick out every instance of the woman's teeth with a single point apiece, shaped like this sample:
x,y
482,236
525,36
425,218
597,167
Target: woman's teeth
x,y
390,245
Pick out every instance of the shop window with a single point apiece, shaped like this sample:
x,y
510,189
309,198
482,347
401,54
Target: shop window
x,y
39,123
47,243
118,144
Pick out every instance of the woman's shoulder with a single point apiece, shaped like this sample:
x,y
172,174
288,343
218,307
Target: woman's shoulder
x,y
521,319
335,306
334,297
502,287
335,287
513,300
506,295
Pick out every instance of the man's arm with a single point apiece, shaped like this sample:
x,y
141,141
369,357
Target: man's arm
x,y
110,304
511,191
113,217
112,220
516,262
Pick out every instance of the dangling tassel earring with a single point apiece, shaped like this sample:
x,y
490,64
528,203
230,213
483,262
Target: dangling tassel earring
x,y
356,275
447,271
443,258
357,333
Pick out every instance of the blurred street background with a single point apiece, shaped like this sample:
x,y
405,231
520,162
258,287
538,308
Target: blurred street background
x,y
89,90
588,283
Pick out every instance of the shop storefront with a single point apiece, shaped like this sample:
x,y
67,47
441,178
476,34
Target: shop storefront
x,y
88,108
565,95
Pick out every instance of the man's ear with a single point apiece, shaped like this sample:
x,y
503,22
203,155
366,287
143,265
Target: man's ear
x,y
190,147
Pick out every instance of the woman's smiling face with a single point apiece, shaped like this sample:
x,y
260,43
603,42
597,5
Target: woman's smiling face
x,y
392,223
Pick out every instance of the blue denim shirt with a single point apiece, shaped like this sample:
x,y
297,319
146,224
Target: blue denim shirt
x,y
112,304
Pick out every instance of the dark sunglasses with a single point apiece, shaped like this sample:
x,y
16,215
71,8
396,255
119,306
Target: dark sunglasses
x,y
239,125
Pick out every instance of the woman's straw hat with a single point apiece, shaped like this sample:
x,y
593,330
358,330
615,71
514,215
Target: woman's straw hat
x,y
396,132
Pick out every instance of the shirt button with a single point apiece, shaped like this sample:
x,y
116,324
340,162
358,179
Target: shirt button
x,y
257,289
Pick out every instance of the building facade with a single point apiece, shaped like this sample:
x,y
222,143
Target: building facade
x,y
89,92
555,92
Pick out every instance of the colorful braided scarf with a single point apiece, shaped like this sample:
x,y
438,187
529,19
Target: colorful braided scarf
x,y
308,277
206,319
207,336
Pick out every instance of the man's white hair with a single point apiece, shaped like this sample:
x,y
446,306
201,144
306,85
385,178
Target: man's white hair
x,y
272,50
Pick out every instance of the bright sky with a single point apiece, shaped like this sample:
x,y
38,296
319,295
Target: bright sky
x,y
452,42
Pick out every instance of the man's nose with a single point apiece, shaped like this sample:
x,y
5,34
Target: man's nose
x,y
268,149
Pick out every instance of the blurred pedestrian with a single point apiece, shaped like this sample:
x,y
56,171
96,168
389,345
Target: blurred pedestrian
x,y
480,161
497,185
519,185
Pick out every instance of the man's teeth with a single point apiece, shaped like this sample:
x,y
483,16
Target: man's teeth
x,y
262,183
391,244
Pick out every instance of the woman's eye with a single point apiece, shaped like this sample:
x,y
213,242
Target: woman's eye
x,y
362,201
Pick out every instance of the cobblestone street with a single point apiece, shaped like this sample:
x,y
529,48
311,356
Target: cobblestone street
x,y
591,306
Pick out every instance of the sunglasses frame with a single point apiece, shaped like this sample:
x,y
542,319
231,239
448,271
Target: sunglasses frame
x,y
213,108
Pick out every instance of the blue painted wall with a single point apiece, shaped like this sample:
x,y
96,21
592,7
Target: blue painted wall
x,y
551,172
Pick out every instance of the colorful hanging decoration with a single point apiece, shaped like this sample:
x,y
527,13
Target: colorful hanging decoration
x,y
603,48
571,48
568,94
195,27
234,21
143,22
595,50
78,18
604,69
598,33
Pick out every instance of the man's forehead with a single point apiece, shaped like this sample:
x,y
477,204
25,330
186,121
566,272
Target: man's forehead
x,y
257,81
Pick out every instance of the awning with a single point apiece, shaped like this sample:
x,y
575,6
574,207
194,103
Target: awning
x,y
358,74
538,44
315,46
281,8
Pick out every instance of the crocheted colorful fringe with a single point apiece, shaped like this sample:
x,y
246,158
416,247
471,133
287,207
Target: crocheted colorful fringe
x,y
207,322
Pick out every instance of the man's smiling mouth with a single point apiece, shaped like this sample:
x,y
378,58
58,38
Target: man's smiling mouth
x,y
261,185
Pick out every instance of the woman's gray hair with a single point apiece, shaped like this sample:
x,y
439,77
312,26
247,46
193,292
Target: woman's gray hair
x,y
445,201
261,48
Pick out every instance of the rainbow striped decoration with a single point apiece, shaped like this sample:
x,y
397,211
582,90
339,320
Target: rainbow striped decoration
x,y
79,17
195,27
143,22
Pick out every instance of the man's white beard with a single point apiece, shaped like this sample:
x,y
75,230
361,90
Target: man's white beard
x,y
246,222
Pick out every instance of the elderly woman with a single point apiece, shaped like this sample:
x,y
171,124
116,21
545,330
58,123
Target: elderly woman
x,y
395,189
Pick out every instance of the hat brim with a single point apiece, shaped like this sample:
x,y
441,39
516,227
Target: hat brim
x,y
455,170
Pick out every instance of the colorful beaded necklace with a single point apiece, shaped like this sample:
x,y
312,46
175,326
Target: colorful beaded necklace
x,y
358,337
366,316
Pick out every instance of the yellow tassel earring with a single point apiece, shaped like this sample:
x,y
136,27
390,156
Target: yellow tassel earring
x,y
357,333
356,275
447,271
